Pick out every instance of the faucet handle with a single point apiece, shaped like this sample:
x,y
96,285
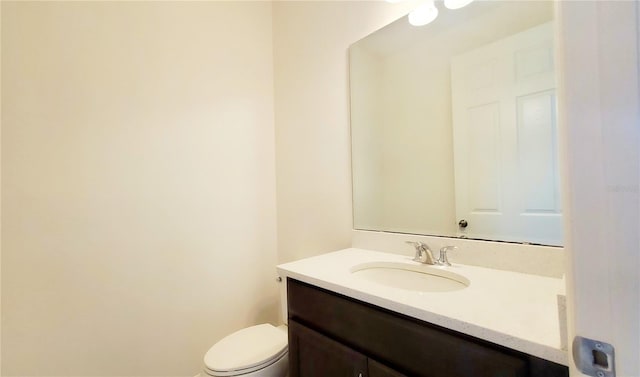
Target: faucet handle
x,y
423,252
418,246
420,249
443,260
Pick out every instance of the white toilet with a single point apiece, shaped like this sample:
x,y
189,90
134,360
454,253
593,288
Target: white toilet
x,y
256,351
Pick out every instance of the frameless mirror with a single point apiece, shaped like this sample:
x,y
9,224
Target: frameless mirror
x,y
454,125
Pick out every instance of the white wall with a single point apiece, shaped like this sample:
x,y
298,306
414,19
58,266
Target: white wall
x,y
311,41
138,184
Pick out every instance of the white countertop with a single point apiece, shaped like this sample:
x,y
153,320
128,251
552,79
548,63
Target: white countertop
x,y
515,310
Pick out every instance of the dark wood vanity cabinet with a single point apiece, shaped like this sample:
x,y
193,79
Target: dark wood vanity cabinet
x,y
331,335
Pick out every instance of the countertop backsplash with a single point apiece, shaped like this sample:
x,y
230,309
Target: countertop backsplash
x,y
529,259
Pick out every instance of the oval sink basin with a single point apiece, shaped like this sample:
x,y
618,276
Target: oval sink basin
x,y
421,278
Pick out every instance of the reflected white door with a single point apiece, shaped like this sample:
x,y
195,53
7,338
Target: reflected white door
x,y
505,139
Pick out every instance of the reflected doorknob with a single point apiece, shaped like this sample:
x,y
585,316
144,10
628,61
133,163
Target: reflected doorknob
x,y
463,223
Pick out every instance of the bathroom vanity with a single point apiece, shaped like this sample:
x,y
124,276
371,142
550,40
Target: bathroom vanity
x,y
344,325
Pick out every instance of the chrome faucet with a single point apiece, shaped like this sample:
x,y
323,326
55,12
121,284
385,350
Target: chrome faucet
x,y
423,253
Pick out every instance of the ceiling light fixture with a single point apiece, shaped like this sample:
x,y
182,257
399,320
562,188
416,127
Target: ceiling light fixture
x,y
456,4
424,14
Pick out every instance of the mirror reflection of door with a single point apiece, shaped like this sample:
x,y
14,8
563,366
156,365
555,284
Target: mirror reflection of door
x,y
505,139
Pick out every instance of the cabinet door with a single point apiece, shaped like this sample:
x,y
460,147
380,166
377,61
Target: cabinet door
x,y
378,370
314,355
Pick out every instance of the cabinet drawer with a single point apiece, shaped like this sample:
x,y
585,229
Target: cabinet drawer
x,y
410,346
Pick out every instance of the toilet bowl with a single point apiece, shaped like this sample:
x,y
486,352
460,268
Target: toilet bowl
x,y
256,351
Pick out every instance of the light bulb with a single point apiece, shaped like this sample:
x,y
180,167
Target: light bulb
x,y
423,14
456,4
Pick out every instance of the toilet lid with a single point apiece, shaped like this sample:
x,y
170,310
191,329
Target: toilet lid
x,y
247,348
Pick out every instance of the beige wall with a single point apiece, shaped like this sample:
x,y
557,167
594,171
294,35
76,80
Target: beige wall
x,y
365,71
311,42
138,184
414,158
